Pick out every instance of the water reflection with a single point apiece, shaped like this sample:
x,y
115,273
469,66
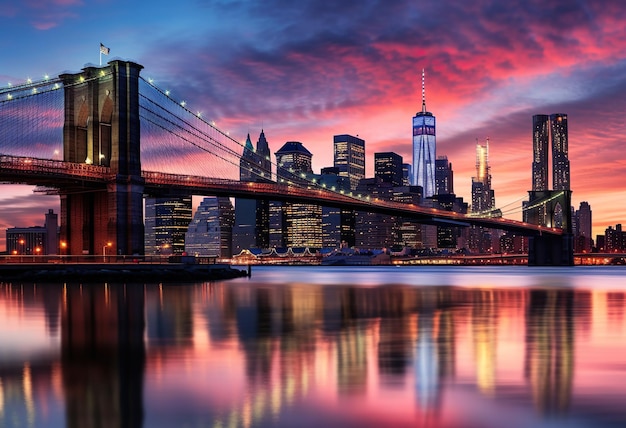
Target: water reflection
x,y
254,354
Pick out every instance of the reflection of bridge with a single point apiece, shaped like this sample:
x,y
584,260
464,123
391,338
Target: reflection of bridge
x,y
109,111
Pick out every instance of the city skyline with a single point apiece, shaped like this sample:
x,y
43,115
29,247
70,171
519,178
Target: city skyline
x,y
361,78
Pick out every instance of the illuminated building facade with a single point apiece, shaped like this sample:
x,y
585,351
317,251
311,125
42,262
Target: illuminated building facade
x,y
541,126
560,161
388,167
210,232
301,224
252,217
166,221
349,157
424,148
482,240
444,176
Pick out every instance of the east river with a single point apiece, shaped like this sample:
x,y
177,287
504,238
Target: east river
x,y
320,347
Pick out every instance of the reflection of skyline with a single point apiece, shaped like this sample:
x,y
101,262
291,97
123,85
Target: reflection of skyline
x,y
277,348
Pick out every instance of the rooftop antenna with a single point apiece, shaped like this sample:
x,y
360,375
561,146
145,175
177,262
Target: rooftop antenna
x,y
423,91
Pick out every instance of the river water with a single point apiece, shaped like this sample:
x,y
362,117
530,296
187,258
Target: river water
x,y
320,347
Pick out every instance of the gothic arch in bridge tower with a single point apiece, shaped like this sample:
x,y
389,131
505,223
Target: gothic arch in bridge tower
x,y
102,128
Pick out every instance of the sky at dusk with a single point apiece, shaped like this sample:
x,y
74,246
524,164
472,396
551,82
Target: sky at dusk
x,y
308,70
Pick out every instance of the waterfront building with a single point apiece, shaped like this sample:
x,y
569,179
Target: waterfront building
x,y
211,229
448,236
349,157
540,152
166,221
560,161
444,176
424,148
408,230
299,224
583,228
252,216
337,224
374,231
35,240
388,167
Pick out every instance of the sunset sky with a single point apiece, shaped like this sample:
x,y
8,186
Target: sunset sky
x,y
309,69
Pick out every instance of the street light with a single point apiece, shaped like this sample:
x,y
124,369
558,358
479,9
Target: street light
x,y
63,245
104,250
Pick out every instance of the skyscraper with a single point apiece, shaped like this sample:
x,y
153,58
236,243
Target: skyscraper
x,y
211,229
166,221
483,198
349,157
444,176
424,148
560,161
540,152
301,223
388,167
251,228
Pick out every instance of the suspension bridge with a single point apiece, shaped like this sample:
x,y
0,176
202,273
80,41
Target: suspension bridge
x,y
105,137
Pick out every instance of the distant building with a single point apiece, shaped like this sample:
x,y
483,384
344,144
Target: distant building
x,y
300,224
424,148
35,240
444,176
482,240
211,229
541,127
583,220
406,174
166,221
252,216
349,157
388,167
374,231
337,224
560,161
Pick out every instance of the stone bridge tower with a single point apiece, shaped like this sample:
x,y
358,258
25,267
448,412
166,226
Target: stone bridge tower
x,y
102,128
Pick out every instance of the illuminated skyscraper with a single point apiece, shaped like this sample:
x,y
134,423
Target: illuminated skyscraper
x,y
540,152
560,162
444,177
483,198
388,167
349,157
166,221
301,223
252,216
424,148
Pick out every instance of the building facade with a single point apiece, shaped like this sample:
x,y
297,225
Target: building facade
x,y
444,176
560,161
300,224
166,221
388,167
210,232
349,157
424,148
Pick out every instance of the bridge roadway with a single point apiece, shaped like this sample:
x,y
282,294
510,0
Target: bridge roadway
x,y
79,177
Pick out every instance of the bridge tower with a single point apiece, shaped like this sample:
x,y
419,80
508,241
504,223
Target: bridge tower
x,y
551,208
102,128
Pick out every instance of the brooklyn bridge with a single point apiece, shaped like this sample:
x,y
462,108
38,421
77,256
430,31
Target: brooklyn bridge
x,y
88,136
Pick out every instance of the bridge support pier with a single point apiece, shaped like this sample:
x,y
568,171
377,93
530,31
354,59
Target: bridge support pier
x,y
102,127
550,250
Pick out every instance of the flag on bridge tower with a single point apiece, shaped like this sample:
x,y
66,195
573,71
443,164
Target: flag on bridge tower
x,y
103,50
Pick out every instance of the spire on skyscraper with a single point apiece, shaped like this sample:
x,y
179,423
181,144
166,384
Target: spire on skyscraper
x,y
423,91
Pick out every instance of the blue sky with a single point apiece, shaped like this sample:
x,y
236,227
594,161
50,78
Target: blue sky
x,y
311,69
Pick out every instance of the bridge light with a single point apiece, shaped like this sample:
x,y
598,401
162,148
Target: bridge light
x,y
9,97
199,114
81,79
88,161
34,90
324,185
150,80
333,188
57,86
46,77
183,103
167,92
29,80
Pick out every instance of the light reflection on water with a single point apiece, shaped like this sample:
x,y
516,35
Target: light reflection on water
x,y
313,346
